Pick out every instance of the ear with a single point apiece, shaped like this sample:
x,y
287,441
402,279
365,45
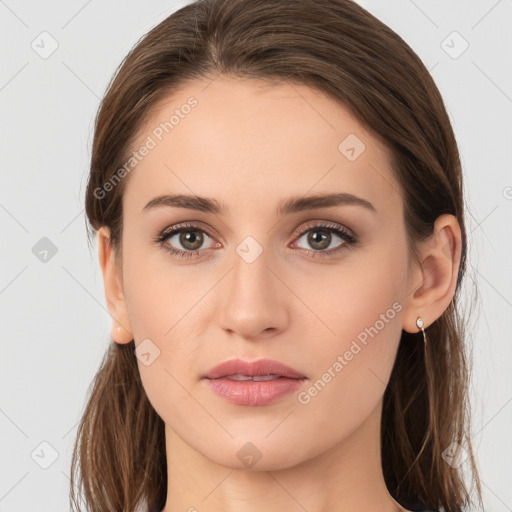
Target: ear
x,y
121,330
434,281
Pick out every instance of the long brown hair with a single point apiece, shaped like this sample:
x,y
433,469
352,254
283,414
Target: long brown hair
x,y
340,49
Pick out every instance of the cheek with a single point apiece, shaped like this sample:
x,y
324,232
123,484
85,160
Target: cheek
x,y
363,307
360,300
162,306
159,295
166,304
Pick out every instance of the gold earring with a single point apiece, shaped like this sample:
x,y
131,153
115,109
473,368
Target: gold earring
x,y
419,323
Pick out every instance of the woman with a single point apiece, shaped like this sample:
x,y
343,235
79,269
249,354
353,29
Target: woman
x,y
277,196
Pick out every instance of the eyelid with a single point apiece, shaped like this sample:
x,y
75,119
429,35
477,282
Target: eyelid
x,y
181,226
324,224
349,238
309,225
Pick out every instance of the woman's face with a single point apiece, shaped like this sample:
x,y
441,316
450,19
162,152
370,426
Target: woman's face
x,y
257,279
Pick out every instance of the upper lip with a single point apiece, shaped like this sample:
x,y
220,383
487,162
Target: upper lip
x,y
259,367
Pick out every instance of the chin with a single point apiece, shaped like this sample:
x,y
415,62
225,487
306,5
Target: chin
x,y
260,454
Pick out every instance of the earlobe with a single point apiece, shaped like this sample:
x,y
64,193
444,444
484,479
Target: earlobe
x,y
120,335
121,330
437,274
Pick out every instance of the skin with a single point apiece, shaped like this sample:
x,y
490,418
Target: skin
x,y
249,146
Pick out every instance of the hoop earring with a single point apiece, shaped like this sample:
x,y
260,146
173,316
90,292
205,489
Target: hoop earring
x,y
419,323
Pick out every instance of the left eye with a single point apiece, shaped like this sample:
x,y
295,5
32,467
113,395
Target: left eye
x,y
321,238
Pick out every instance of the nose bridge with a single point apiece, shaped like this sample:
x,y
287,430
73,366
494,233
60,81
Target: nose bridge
x,y
253,301
250,274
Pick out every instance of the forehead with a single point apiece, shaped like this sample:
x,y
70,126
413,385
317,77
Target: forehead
x,y
241,139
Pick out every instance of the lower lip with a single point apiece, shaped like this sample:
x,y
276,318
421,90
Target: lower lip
x,y
248,392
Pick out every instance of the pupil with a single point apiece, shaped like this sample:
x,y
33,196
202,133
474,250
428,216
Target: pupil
x,y
192,238
322,240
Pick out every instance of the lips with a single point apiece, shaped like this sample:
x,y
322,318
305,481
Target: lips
x,y
262,369
256,383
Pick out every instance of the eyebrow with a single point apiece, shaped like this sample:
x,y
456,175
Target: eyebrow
x,y
291,205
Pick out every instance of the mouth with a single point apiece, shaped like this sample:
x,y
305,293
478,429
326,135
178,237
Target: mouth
x,y
256,383
260,370
255,378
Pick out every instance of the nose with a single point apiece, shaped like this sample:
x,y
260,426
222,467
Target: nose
x,y
253,301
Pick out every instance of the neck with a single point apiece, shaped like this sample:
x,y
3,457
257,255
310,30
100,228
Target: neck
x,y
346,477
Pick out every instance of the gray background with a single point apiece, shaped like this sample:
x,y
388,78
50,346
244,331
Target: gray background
x,y
55,326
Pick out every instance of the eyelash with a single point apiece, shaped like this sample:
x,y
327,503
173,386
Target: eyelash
x,y
349,239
